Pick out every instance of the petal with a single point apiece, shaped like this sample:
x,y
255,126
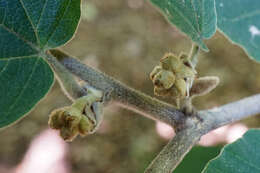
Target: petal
x,y
185,72
180,85
164,79
156,70
170,62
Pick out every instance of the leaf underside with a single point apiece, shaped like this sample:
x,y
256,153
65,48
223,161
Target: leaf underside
x,y
24,81
239,21
28,28
195,18
239,157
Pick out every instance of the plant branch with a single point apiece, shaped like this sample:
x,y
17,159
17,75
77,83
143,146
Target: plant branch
x,y
231,112
121,94
193,56
172,154
66,80
189,129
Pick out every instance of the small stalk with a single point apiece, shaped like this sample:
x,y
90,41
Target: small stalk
x,y
193,56
66,80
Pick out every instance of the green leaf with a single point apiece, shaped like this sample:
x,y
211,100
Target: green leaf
x,y
239,21
24,81
197,158
28,28
239,157
196,18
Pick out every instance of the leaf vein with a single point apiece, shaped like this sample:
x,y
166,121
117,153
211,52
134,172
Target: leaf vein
x,y
187,21
197,18
4,67
19,36
25,86
30,20
58,22
18,57
247,15
43,9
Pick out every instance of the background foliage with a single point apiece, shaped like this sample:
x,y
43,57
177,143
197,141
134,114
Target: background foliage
x,y
244,154
241,24
126,39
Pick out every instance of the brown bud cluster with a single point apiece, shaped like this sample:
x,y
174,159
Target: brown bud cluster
x,y
82,117
173,77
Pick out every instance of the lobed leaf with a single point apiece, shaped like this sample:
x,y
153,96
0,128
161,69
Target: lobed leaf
x,y
238,157
24,81
195,18
28,28
239,21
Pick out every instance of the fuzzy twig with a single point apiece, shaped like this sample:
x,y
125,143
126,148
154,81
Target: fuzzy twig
x,y
66,80
189,128
193,56
172,154
122,94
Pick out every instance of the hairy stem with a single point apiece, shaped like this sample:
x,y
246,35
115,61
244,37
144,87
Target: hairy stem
x,y
193,56
189,128
122,94
66,80
231,112
173,153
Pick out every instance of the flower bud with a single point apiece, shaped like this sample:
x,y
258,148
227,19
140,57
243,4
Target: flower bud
x,y
82,117
164,79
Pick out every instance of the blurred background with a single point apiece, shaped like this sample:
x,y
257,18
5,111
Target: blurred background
x,y
126,39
